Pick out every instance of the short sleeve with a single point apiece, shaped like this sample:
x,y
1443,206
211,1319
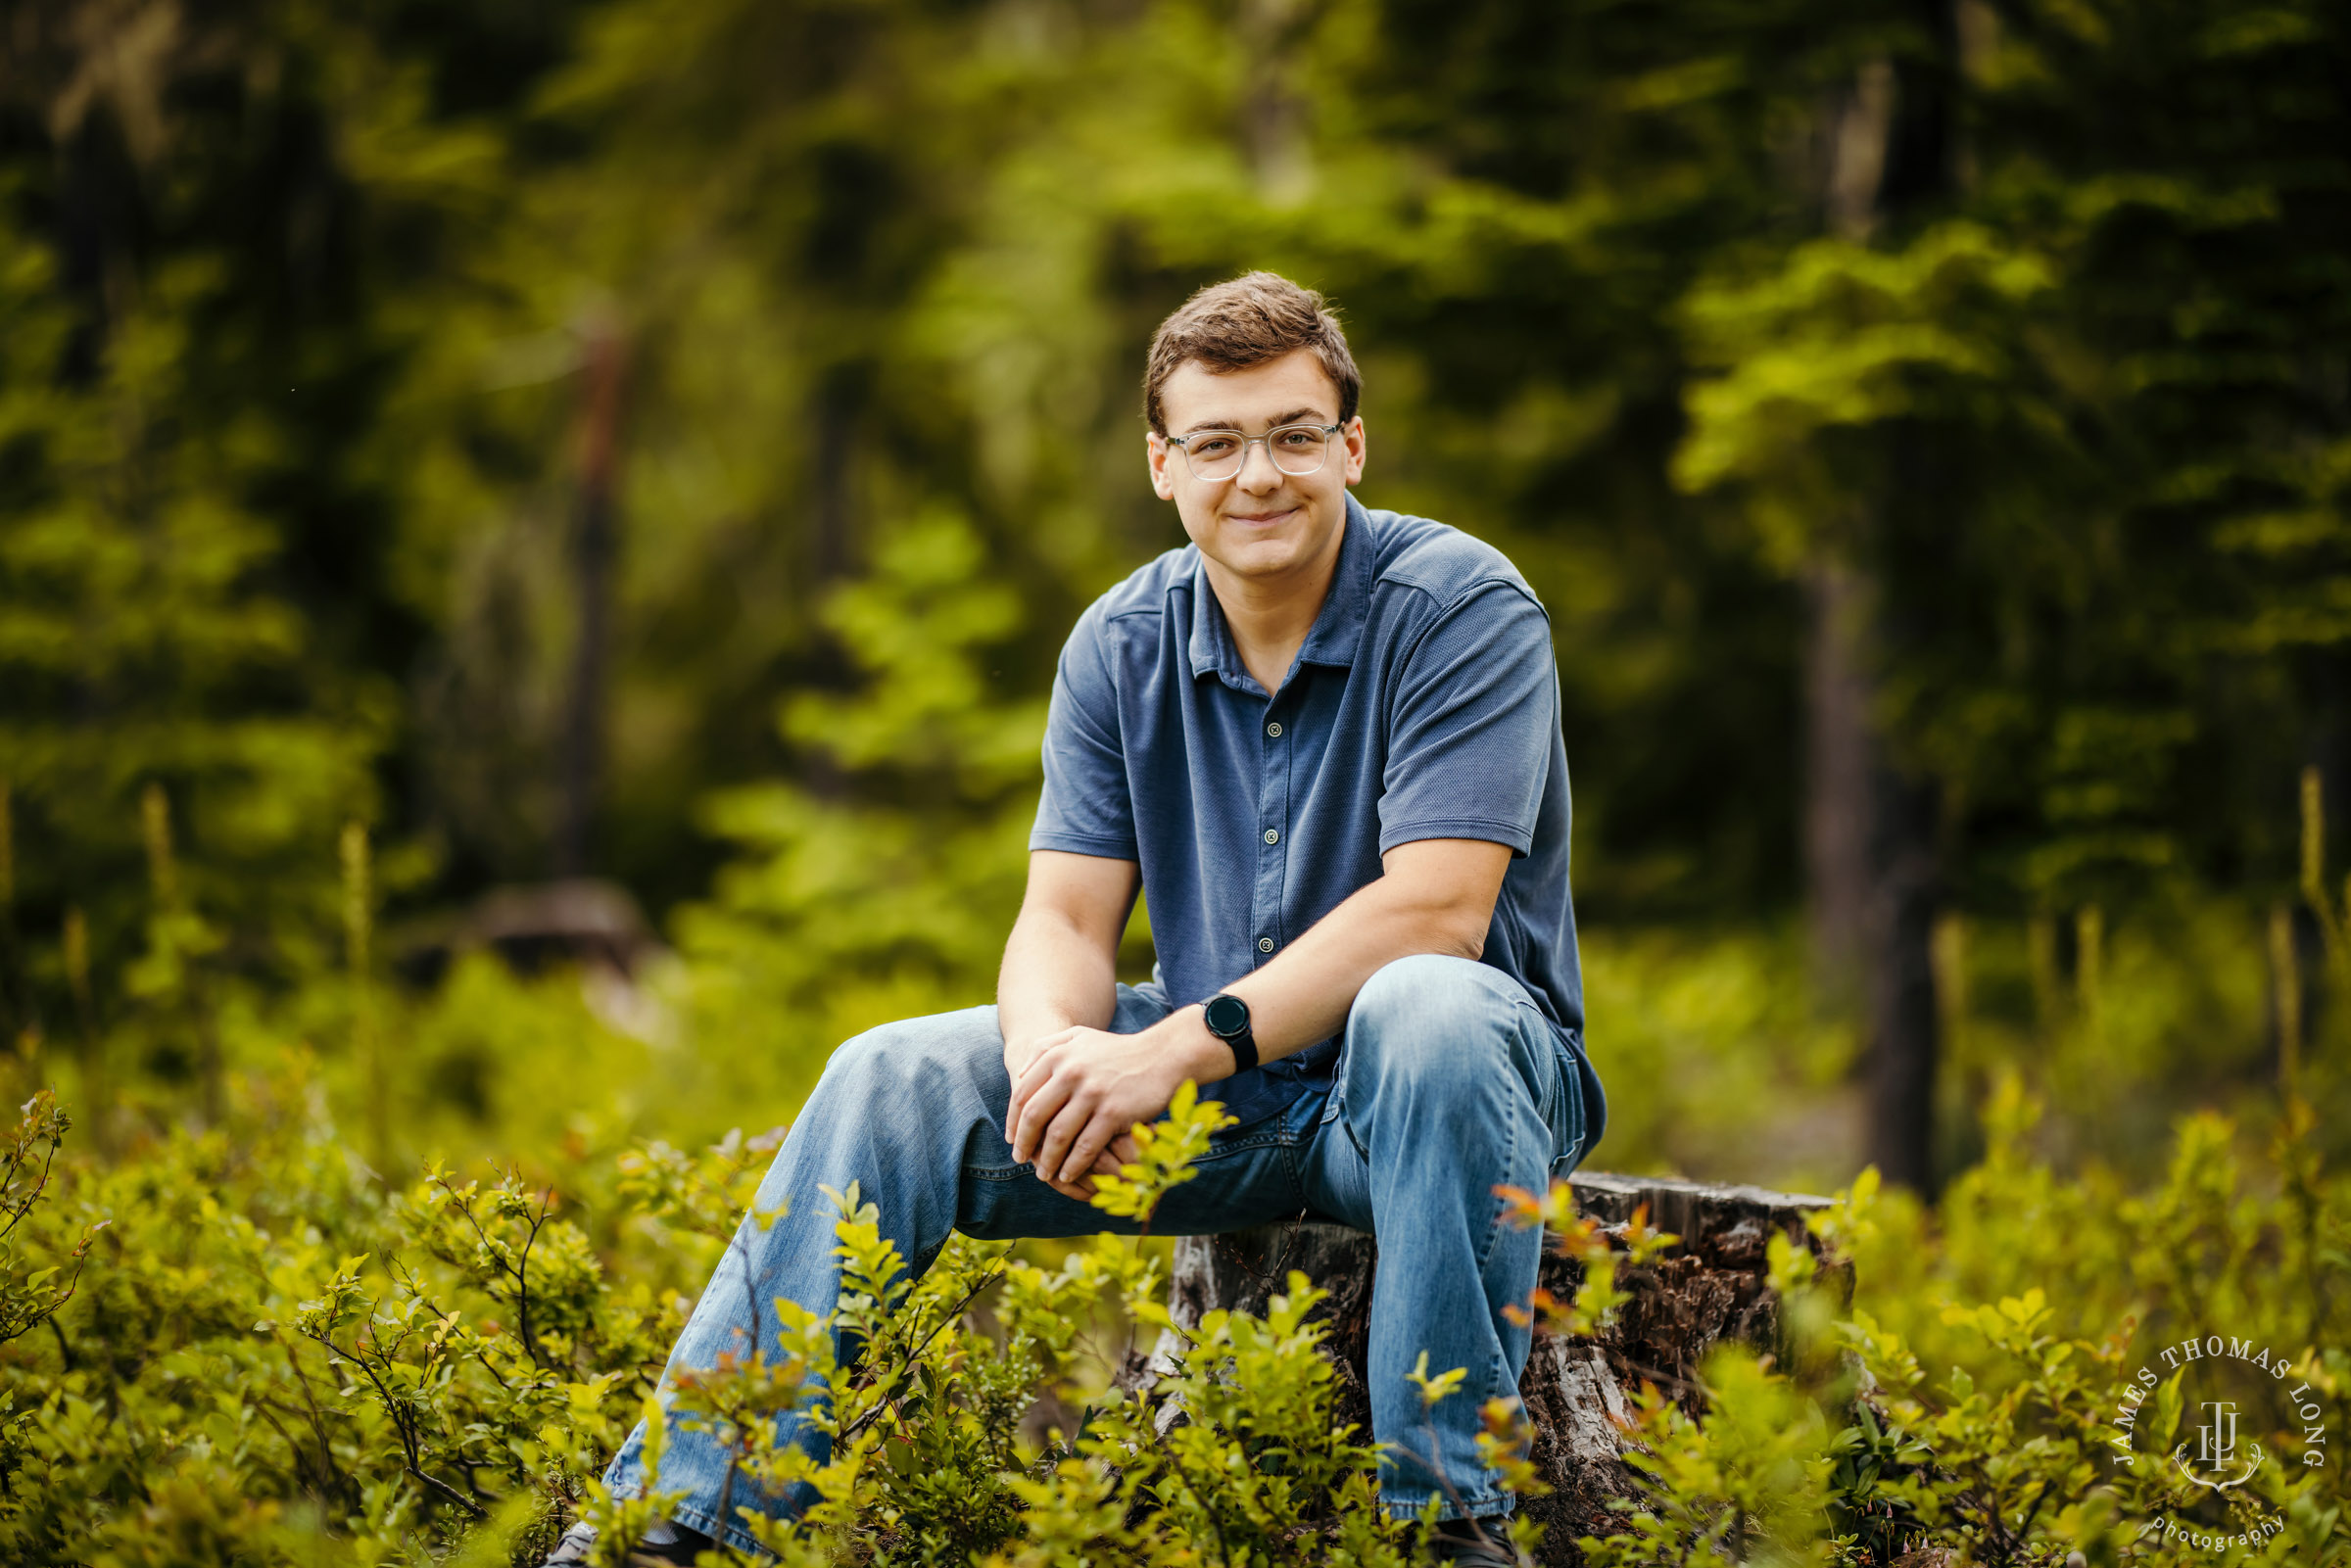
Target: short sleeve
x,y
1085,808
1472,722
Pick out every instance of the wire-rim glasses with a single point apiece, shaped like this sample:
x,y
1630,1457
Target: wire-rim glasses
x,y
1294,450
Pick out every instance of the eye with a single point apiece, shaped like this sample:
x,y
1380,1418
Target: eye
x,y
1218,445
1302,436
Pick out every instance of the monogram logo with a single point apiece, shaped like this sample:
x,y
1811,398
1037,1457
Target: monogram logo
x,y
2216,1449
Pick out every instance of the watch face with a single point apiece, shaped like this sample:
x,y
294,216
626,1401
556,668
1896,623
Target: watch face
x,y
1227,1016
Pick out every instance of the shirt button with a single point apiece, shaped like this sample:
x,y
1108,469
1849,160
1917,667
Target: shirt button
x,y
1272,836
1265,944
1274,728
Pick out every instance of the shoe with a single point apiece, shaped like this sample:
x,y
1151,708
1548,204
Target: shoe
x,y
677,1544
1474,1543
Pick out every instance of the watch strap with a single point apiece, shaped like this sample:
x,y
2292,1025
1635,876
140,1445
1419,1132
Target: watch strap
x,y
1243,1040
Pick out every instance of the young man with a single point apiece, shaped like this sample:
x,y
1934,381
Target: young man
x,y
1325,744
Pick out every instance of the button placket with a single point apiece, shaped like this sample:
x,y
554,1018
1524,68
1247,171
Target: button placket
x,y
1273,813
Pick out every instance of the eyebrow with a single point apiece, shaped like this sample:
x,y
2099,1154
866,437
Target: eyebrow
x,y
1294,416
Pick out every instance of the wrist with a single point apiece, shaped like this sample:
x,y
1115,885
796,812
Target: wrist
x,y
1199,1054
1020,1049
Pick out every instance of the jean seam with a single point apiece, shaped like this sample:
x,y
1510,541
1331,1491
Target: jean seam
x,y
1497,1372
1536,1040
1570,1086
1293,1157
1347,1108
1485,1249
1572,1089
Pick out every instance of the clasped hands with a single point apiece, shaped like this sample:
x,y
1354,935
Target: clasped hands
x,y
1082,1091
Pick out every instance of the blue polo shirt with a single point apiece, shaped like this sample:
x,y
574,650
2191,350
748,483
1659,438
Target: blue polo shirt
x,y
1425,704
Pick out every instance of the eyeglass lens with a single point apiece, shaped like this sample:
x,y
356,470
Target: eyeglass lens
x,y
1296,450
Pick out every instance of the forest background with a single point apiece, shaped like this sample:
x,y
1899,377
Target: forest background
x,y
473,472
667,442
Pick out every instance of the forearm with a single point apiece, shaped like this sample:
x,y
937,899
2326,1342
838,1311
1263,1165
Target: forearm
x,y
1424,904
1075,1090
1055,976
1306,993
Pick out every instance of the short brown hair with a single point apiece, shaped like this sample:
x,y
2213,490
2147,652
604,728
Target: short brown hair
x,y
1254,317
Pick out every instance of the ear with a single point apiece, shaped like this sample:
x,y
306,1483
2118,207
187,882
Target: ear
x,y
1163,481
1356,451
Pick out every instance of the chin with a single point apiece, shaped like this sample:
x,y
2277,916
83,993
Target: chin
x,y
1261,556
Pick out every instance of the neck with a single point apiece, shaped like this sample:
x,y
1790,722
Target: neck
x,y
1270,617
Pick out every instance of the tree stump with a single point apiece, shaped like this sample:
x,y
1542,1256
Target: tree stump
x,y
1707,1287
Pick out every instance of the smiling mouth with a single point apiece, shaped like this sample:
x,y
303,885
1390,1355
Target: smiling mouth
x,y
1263,518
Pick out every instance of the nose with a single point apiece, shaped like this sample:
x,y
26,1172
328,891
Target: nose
x,y
1258,473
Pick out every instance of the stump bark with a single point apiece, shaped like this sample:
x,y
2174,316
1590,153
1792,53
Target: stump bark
x,y
1709,1287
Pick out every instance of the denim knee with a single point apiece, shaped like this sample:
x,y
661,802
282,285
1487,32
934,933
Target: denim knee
x,y
1434,1020
915,1056
870,1061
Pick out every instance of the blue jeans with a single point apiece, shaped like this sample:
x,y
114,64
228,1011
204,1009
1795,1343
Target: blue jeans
x,y
1450,1081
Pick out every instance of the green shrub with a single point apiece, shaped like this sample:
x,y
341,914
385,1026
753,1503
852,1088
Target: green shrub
x,y
1971,1398
234,1345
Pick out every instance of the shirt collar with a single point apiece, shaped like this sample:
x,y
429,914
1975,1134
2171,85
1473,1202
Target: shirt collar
x,y
1338,626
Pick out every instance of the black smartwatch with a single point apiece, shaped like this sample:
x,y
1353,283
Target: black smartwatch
x,y
1228,1019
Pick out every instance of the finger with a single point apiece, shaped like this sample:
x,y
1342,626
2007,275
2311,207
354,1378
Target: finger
x,y
1087,1151
1068,1125
1050,1059
1046,1107
1083,1189
1016,1108
1106,1131
1036,1067
1036,1114
1121,1154
1043,1104
1039,1070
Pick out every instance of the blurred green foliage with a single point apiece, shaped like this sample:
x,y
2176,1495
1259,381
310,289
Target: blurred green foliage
x,y
300,302
302,307
298,308
238,1346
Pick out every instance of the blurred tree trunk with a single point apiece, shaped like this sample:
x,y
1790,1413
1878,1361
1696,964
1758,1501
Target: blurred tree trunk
x,y
1840,744
1870,829
1274,111
16,1016
1870,860
1839,754
838,414
1904,1023
594,547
